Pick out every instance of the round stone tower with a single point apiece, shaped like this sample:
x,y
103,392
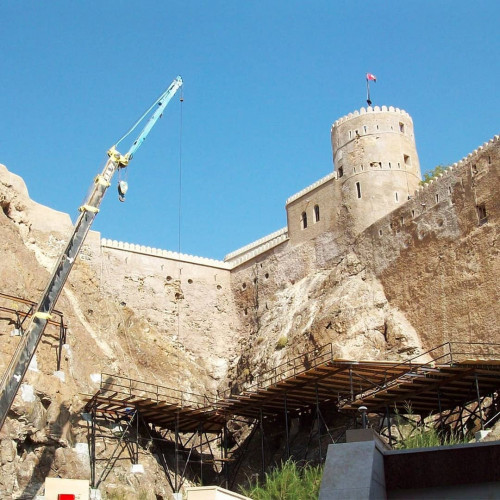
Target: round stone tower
x,y
376,160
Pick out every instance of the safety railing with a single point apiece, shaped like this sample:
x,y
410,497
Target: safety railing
x,y
131,388
446,354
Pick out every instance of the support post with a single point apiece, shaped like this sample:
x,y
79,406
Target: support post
x,y
200,435
351,384
440,408
92,443
287,432
136,458
263,456
388,413
176,482
479,401
318,423
224,463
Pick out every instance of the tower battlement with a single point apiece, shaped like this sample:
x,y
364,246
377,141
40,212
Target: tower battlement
x,y
368,110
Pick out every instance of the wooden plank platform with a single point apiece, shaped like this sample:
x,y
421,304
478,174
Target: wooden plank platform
x,y
342,384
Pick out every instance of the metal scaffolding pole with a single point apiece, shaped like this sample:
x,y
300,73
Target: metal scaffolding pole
x,y
263,456
287,433
388,412
176,482
92,443
479,401
318,423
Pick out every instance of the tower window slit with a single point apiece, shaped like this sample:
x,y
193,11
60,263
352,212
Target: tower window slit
x,y
316,213
304,220
358,189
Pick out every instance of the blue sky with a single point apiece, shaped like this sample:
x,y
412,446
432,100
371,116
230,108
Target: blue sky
x,y
263,82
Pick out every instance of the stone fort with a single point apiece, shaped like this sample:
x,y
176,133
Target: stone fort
x,y
425,244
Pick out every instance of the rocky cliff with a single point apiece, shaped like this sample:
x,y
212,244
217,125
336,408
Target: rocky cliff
x,y
425,274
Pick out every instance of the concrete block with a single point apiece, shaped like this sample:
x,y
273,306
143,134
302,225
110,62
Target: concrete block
x,y
353,470
481,435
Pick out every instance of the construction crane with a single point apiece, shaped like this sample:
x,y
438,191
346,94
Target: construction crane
x,y
13,376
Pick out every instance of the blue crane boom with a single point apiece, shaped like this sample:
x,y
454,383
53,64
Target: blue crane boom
x,y
13,376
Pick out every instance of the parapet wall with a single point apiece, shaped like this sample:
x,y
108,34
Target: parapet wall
x,y
375,109
258,247
166,254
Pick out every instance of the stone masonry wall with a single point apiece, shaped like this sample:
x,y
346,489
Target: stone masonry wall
x,y
437,259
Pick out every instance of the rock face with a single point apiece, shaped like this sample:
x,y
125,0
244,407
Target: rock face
x,y
424,274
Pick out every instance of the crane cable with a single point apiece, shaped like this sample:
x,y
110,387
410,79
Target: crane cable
x,y
136,124
179,219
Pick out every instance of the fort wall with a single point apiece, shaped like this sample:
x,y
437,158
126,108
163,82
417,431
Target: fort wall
x,y
437,255
433,256
313,210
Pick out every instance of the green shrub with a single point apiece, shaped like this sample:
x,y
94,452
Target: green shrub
x,y
420,437
282,342
288,482
432,174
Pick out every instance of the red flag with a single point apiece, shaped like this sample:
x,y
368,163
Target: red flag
x,y
371,77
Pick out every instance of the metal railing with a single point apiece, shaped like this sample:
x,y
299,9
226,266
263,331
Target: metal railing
x,y
128,387
448,353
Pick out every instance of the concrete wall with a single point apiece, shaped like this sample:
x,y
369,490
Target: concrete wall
x,y
365,470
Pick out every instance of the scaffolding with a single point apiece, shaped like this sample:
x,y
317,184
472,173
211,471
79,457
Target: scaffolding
x,y
17,310
452,380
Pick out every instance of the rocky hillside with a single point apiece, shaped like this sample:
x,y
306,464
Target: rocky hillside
x,y
422,275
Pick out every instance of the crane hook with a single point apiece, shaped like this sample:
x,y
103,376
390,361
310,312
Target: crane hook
x,y
122,190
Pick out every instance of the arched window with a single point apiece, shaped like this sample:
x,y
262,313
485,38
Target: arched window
x,y
316,213
304,220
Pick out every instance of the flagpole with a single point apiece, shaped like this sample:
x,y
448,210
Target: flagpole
x,y
368,92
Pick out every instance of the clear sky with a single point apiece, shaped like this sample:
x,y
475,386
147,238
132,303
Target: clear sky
x,y
263,82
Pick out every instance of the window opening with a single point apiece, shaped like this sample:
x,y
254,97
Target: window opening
x,y
364,128
449,189
362,168
413,213
406,159
402,127
304,220
481,214
437,198
396,194
341,171
358,189
354,169
350,134
402,220
316,213
474,169
380,232
399,165
390,166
